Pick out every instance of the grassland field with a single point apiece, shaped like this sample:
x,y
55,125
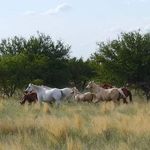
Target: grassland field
x,y
74,126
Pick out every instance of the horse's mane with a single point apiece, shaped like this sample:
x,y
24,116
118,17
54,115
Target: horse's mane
x,y
46,87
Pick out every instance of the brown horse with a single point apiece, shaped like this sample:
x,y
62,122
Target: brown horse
x,y
106,86
29,97
85,97
125,91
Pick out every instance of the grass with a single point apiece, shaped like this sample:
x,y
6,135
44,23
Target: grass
x,y
74,126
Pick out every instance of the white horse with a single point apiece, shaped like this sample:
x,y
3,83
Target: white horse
x,y
47,94
46,87
67,92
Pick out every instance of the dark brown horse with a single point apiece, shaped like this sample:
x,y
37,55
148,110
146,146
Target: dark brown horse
x,y
29,97
106,86
126,91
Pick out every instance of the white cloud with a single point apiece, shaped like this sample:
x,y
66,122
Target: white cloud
x,y
52,11
60,8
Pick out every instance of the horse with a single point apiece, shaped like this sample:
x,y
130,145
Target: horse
x,y
106,86
29,97
49,95
126,92
46,87
102,94
85,97
67,92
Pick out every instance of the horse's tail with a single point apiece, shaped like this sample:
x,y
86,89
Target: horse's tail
x,y
130,96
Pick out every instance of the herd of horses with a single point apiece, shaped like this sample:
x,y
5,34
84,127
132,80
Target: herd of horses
x,y
96,93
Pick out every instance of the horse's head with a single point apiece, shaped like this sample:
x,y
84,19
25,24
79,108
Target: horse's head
x,y
90,85
75,90
29,88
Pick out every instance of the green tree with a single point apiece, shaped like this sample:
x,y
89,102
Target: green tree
x,y
12,46
56,55
37,58
80,71
12,73
125,60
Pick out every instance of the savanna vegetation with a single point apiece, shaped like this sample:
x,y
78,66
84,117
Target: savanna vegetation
x,y
41,60
74,126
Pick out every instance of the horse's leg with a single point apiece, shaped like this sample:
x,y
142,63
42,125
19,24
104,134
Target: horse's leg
x,y
39,102
125,101
58,102
93,97
29,102
39,99
97,100
130,96
117,101
105,106
147,97
22,102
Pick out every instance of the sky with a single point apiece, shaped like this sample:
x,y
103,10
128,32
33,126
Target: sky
x,y
79,23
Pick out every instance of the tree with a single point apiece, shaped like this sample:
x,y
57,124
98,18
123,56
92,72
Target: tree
x,y
125,60
80,71
36,59
12,73
12,46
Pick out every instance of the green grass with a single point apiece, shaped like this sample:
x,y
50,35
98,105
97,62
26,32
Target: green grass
x,y
74,126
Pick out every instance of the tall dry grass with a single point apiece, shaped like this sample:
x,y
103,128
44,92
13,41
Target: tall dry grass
x,y
74,126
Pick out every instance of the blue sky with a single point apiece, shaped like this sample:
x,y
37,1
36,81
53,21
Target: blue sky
x,y
80,23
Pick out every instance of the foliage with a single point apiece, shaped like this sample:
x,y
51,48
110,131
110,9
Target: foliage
x,y
125,60
39,60
80,72
44,61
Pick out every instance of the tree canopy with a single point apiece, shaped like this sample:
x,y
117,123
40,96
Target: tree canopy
x,y
41,60
124,60
38,59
